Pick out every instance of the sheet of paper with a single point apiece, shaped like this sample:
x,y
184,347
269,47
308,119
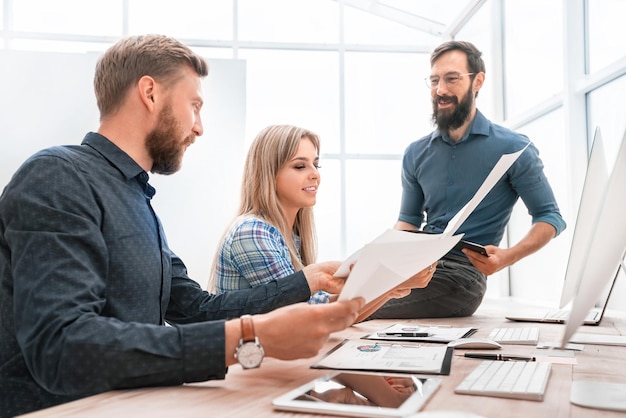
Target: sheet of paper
x,y
344,268
503,164
390,260
362,355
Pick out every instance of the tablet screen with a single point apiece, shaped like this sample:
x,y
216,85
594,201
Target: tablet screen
x,y
361,394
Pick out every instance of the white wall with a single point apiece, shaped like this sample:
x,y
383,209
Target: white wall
x,y
198,203
47,99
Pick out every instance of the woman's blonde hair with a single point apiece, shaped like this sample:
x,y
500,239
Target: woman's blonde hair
x,y
272,148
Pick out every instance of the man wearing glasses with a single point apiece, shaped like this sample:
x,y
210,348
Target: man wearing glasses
x,y
442,171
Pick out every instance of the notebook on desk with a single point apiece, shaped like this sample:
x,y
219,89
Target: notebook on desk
x,y
559,316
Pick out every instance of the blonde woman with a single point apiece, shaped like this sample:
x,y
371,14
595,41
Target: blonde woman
x,y
273,234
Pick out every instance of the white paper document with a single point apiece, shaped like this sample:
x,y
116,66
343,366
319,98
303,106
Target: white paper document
x,y
395,256
388,357
391,259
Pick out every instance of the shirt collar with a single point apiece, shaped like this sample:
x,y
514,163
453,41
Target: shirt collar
x,y
118,158
478,127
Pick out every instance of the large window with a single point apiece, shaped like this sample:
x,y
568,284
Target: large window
x,y
607,33
353,71
287,21
539,271
533,52
603,114
203,19
293,87
387,104
68,17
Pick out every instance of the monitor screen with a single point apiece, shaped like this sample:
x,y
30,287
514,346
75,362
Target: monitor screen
x,y
607,246
594,187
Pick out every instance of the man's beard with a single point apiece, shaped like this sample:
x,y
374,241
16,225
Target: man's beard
x,y
447,121
163,144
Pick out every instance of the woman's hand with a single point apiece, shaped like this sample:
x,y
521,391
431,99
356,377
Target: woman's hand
x,y
320,276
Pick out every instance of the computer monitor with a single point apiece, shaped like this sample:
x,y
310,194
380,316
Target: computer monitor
x,y
606,252
607,247
594,188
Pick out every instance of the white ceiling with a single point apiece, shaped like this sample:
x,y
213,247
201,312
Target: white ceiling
x,y
436,17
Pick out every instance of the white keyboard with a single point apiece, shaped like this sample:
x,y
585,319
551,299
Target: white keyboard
x,y
517,335
507,379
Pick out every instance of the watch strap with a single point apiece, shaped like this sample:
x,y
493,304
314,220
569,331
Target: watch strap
x,y
247,329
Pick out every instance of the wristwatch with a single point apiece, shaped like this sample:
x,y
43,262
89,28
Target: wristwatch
x,y
249,353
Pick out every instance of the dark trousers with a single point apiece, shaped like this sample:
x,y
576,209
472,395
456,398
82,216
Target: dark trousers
x,y
456,289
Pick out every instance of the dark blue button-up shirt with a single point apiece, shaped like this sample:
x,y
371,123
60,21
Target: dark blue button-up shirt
x,y
88,282
439,176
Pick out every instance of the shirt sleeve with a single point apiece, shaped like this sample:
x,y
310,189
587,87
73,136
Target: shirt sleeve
x,y
189,303
530,182
412,202
319,297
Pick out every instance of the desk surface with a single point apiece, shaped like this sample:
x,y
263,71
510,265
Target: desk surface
x,y
250,392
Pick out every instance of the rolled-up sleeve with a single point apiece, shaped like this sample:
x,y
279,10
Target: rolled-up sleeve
x,y
530,182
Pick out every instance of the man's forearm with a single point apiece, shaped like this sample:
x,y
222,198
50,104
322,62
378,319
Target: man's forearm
x,y
539,235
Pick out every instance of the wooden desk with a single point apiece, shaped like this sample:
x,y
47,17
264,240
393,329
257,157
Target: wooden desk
x,y
250,393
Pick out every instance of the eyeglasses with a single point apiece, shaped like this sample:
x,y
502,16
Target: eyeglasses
x,y
449,80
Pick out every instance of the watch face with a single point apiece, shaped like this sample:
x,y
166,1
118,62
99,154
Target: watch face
x,y
250,355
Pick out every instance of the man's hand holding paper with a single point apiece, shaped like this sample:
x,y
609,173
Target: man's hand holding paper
x,y
417,281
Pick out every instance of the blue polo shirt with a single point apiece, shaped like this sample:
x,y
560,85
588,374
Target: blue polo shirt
x,y
439,176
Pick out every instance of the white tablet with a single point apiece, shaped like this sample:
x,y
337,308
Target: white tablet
x,y
360,395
